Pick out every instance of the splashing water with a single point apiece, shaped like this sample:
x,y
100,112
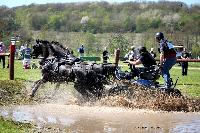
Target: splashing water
x,y
63,109
139,98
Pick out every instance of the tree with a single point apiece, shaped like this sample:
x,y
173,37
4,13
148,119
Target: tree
x,y
37,21
118,41
141,24
171,22
54,22
84,22
129,24
25,35
196,50
91,43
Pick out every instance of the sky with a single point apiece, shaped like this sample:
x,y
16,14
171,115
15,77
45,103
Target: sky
x,y
14,3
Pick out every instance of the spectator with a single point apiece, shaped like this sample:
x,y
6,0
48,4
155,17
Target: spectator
x,y
105,55
16,53
167,57
27,57
185,55
131,54
190,54
21,50
2,51
153,53
179,53
81,50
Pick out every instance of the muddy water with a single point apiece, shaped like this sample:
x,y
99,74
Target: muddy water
x,y
85,119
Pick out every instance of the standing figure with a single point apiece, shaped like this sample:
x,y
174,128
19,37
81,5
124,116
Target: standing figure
x,y
105,55
131,55
2,51
185,55
167,57
27,57
81,50
21,51
153,53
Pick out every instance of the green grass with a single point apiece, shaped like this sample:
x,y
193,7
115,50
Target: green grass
x,y
194,64
20,73
7,126
187,84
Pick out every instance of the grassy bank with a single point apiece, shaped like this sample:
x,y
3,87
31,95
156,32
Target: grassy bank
x,y
8,126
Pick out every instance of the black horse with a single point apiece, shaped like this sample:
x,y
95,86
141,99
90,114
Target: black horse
x,y
56,63
59,65
53,49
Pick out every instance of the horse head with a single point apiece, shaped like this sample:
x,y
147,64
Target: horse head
x,y
37,49
40,49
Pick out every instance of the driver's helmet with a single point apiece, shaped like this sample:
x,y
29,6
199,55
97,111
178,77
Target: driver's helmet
x,y
159,35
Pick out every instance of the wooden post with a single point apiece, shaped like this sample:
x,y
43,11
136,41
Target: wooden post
x,y
117,53
12,57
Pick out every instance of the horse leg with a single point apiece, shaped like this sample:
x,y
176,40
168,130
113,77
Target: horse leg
x,y
36,86
56,89
81,89
57,85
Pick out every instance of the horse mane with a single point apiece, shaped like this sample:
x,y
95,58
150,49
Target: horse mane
x,y
58,44
55,49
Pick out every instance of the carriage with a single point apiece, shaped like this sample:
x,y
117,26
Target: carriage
x,y
59,65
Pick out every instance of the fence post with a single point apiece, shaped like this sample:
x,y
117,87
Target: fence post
x,y
117,53
12,57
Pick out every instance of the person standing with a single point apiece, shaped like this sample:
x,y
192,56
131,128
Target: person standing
x,y
2,51
184,65
105,55
153,53
27,57
131,55
167,57
21,50
81,50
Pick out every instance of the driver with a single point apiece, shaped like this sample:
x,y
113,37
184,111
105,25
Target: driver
x,y
145,58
